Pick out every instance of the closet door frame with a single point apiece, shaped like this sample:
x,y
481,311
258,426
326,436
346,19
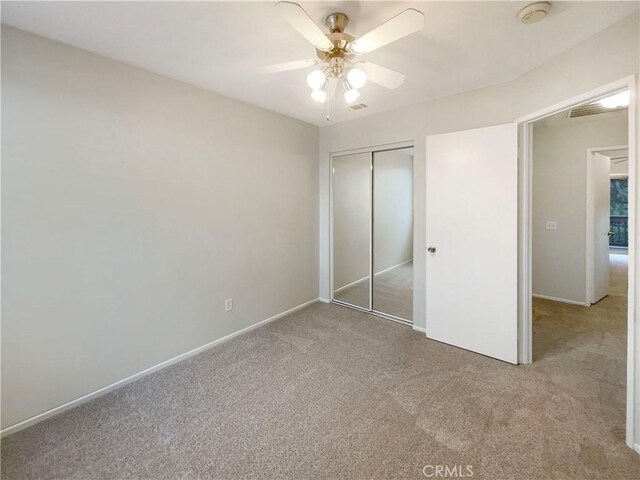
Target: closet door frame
x,y
370,150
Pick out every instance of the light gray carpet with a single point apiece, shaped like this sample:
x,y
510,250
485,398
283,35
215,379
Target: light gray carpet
x,y
331,393
392,292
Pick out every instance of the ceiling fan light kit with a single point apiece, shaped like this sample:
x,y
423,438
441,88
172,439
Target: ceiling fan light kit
x,y
316,79
319,95
356,78
337,51
351,96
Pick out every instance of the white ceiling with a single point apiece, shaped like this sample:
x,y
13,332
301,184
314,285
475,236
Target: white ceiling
x,y
218,45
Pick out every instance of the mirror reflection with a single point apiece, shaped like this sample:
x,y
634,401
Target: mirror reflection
x,y
393,232
352,229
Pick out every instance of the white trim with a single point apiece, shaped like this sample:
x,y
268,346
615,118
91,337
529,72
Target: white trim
x,y
636,447
324,300
375,148
590,232
136,376
525,225
633,332
562,300
371,232
419,329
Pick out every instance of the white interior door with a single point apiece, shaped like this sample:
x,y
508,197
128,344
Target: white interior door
x,y
601,168
472,199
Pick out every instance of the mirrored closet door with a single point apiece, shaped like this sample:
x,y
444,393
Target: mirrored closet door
x,y
373,232
352,229
393,233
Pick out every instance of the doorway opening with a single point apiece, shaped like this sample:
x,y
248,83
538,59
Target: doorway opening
x,y
571,197
564,318
607,212
372,231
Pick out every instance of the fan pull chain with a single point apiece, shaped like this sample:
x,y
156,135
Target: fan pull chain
x,y
328,116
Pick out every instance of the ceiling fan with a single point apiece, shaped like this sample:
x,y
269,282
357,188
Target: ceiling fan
x,y
337,51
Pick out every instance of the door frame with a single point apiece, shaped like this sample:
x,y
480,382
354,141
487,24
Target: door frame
x,y
370,150
525,317
590,250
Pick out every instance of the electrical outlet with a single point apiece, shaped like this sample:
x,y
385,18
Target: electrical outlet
x,y
552,225
228,304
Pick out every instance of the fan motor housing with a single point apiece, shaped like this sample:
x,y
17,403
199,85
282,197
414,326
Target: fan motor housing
x,y
340,41
337,22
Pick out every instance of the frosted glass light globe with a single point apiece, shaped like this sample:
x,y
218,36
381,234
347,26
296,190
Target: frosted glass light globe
x,y
319,96
316,79
356,78
351,96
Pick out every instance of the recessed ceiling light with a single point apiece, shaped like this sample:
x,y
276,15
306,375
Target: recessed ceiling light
x,y
616,101
534,12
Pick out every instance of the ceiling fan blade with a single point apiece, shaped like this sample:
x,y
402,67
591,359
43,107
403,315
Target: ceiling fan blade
x,y
295,15
331,87
286,66
382,75
403,24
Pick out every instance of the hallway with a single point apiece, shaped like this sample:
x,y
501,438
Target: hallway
x,y
559,327
585,349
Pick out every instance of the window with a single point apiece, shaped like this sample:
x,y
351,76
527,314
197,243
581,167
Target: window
x,y
618,213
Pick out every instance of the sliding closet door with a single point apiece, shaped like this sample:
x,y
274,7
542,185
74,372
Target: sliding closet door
x,y
352,229
393,233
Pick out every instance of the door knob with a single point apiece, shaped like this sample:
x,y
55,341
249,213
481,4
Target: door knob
x,y
431,249
610,234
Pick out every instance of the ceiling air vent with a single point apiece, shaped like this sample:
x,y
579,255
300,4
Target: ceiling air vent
x,y
592,109
359,106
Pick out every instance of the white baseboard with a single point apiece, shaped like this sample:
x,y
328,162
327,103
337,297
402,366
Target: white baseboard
x,y
563,300
419,329
636,447
136,376
324,300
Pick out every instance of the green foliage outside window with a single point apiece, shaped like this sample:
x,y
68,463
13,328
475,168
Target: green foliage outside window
x,y
619,195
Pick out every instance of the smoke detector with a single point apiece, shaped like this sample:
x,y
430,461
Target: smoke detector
x,y
534,12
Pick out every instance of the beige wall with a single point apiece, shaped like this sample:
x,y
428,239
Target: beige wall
x,y
608,56
132,207
560,194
